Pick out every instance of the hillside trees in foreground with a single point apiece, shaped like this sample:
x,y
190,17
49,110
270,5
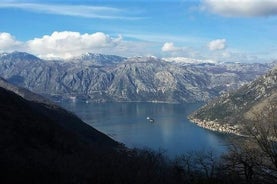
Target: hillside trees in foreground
x,y
251,159
255,157
263,134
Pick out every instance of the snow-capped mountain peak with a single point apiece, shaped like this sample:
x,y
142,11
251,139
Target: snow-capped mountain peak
x,y
184,60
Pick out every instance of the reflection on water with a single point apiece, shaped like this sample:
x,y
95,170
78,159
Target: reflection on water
x,y
171,130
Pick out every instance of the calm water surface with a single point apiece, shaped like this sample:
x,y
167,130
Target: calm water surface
x,y
171,130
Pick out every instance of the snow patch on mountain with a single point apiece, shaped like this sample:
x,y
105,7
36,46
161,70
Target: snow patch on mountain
x,y
184,60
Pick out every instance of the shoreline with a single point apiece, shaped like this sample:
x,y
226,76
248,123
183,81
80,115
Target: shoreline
x,y
225,128
217,127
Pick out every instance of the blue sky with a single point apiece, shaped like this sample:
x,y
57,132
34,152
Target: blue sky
x,y
222,30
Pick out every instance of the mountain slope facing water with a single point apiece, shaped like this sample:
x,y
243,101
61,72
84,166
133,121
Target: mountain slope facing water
x,y
47,111
226,112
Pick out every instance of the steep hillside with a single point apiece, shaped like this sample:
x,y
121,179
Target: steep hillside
x,y
45,108
45,144
100,78
152,80
226,112
24,93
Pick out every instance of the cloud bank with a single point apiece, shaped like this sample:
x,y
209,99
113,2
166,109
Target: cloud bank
x,y
64,44
218,44
241,8
8,42
68,44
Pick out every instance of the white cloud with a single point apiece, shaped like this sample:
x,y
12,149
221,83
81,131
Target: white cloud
x,y
170,50
68,44
170,47
241,8
8,42
218,44
101,12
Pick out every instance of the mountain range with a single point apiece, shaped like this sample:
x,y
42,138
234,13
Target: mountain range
x,y
101,78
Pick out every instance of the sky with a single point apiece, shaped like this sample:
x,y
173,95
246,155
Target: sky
x,y
220,30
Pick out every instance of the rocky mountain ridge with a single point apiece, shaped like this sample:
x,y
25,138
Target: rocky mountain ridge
x,y
101,78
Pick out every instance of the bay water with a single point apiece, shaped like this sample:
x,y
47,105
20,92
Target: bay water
x,y
156,126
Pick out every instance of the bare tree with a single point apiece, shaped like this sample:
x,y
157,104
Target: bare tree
x,y
263,132
243,160
255,158
198,166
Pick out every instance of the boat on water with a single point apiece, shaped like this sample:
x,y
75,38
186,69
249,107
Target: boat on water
x,y
151,120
